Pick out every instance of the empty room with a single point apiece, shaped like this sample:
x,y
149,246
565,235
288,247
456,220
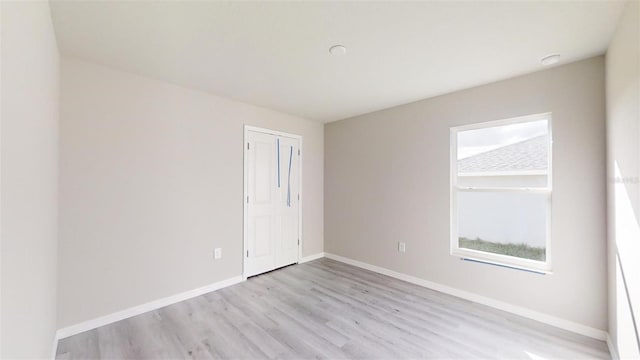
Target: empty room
x,y
320,179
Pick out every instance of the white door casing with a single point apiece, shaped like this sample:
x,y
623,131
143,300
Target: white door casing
x,y
272,204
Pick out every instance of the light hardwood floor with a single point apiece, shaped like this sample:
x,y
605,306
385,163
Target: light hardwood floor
x,y
328,310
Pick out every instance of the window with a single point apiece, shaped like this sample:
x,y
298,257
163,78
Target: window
x,y
501,192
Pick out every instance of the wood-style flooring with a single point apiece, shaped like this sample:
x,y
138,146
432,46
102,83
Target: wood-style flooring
x,y
328,310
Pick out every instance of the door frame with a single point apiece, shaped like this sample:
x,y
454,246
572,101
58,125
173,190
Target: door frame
x,y
245,204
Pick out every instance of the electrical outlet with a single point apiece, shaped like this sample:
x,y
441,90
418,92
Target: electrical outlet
x,y
401,247
217,253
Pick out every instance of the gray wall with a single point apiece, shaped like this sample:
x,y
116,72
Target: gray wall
x,y
387,180
152,182
29,167
623,166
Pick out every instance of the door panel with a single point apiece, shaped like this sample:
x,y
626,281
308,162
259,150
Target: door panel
x,y
261,207
288,202
263,170
273,176
263,239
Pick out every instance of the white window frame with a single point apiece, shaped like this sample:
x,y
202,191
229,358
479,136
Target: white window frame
x,y
492,258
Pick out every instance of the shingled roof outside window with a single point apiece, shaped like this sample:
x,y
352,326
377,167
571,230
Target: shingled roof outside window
x,y
527,155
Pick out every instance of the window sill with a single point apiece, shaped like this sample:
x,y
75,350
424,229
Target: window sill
x,y
481,260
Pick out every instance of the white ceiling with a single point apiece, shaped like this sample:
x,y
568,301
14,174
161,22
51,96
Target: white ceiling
x,y
276,54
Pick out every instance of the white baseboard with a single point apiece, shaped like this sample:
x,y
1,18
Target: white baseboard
x,y
613,349
140,309
311,258
521,311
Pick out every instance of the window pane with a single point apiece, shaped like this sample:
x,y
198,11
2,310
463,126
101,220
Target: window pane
x,y
512,224
514,155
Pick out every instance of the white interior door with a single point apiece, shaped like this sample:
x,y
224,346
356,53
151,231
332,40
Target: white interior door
x,y
287,214
272,206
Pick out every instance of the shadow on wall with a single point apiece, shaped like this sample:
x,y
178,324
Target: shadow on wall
x,y
627,240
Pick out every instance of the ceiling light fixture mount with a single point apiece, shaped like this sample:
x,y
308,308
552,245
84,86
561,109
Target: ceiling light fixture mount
x,y
550,59
337,50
